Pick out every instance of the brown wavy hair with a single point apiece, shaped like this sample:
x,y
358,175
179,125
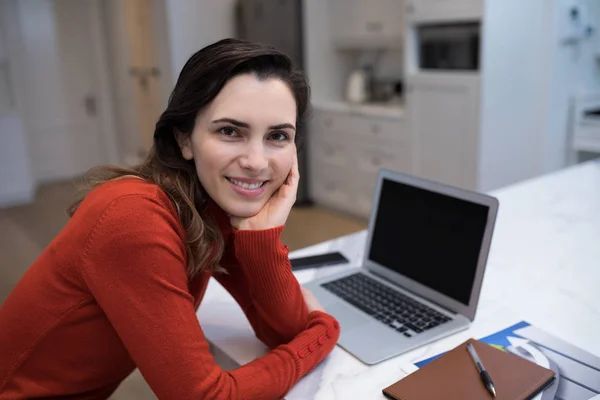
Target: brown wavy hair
x,y
200,81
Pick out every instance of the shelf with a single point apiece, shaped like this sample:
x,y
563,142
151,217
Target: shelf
x,y
392,110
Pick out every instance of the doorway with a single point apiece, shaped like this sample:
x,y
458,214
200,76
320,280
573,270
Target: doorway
x,y
137,37
64,98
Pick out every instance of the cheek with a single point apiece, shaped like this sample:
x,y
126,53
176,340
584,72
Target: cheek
x,y
209,154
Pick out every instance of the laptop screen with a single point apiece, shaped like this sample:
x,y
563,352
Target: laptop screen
x,y
429,237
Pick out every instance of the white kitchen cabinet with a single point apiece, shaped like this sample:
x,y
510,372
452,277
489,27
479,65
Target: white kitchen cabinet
x,y
443,114
366,24
442,10
346,152
369,160
330,186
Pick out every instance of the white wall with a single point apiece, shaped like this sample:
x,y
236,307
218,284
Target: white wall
x,y
571,70
194,24
16,179
530,78
53,132
511,88
589,68
327,71
44,104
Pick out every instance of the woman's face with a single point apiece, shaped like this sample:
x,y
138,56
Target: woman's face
x,y
243,143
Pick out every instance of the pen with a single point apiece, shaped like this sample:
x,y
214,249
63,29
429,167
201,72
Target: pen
x,y
485,377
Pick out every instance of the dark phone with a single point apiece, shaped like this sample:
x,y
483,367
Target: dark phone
x,y
320,260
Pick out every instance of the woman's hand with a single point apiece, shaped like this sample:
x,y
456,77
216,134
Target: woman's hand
x,y
278,207
311,301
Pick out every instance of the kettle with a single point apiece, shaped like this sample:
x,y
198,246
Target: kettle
x,y
357,88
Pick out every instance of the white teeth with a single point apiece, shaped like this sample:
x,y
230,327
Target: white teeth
x,y
245,185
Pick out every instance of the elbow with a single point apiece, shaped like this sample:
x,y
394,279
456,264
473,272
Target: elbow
x,y
223,387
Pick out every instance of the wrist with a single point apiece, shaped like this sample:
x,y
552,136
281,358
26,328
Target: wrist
x,y
258,243
253,224
253,229
249,226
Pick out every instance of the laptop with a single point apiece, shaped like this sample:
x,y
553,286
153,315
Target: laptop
x,y
422,270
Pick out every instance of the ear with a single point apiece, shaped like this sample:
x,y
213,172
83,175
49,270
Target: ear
x,y
185,144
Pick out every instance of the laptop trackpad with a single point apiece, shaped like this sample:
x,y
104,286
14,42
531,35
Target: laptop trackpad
x,y
347,316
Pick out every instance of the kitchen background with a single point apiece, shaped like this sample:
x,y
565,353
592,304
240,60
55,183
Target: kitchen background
x,y
476,93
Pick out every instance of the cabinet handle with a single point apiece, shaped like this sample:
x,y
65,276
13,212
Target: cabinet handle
x,y
374,26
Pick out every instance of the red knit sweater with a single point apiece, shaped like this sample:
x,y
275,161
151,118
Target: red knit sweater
x,y
110,293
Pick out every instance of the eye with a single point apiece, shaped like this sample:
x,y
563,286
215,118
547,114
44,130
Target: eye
x,y
228,131
279,136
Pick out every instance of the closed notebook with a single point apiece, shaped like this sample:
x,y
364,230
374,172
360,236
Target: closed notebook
x,y
453,376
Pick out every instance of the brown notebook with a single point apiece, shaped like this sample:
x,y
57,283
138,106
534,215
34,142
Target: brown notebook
x,y
453,376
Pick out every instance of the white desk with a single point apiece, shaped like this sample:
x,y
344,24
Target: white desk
x,y
544,268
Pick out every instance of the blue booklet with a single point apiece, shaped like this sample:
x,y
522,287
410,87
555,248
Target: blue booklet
x,y
577,371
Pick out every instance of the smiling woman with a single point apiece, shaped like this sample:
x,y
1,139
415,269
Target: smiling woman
x,y
119,286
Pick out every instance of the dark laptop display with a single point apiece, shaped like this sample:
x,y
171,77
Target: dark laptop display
x,y
429,237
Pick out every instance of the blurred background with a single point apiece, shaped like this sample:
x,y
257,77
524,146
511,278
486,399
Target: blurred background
x,y
480,94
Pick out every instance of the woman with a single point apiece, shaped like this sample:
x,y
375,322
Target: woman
x,y
119,286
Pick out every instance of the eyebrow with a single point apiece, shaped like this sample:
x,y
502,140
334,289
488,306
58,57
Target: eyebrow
x,y
246,125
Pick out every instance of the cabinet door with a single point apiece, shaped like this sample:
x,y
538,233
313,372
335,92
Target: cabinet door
x,y
382,19
344,17
331,186
329,160
369,159
373,23
441,10
382,130
443,113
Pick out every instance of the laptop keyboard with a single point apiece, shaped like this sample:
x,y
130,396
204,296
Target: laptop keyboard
x,y
394,309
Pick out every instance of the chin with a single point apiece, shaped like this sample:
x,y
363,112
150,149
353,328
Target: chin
x,y
242,210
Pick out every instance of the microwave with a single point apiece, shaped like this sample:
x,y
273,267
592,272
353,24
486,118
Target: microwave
x,y
449,46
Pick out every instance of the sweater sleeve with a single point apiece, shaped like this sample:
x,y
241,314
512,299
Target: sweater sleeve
x,y
264,286
134,266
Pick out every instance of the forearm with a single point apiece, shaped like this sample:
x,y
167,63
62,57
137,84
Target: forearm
x,y
277,305
285,365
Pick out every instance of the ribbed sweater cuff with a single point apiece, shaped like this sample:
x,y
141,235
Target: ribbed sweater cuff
x,y
316,341
261,253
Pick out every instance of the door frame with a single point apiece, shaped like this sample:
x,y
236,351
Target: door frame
x,y
107,122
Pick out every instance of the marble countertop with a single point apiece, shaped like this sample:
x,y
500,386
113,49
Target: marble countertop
x,y
544,267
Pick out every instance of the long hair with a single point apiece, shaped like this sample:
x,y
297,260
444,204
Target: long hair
x,y
200,81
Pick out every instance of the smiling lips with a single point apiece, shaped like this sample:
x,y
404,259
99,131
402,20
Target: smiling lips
x,y
247,187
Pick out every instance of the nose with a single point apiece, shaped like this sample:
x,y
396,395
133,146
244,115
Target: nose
x,y
254,158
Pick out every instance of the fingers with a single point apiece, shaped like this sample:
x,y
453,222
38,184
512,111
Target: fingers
x,y
289,188
294,175
295,165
